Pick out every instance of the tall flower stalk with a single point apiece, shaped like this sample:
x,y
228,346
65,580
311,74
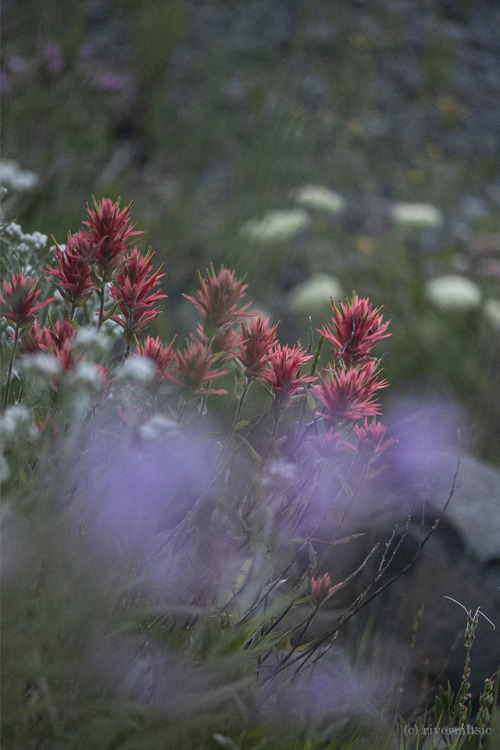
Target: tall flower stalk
x,y
19,307
136,291
71,274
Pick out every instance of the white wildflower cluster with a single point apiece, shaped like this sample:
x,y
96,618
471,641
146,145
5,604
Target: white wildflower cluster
x,y
136,369
313,296
25,243
16,424
14,419
320,198
280,225
86,375
42,364
424,215
15,179
491,311
276,226
19,249
453,293
92,342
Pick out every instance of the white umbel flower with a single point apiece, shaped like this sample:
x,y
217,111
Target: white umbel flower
x,y
313,296
417,214
320,198
451,293
491,311
276,226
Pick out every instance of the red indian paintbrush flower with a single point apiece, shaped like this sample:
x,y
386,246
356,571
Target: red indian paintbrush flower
x,y
71,276
321,588
18,301
35,339
332,444
256,341
349,392
136,291
355,328
162,356
217,299
60,343
111,234
282,373
224,342
370,437
194,367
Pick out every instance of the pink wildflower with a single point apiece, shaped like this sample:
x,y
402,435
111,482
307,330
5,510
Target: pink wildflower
x,y
111,234
355,328
217,299
162,356
282,373
71,276
136,291
17,301
35,339
224,342
331,444
60,343
321,588
195,366
370,437
349,392
256,341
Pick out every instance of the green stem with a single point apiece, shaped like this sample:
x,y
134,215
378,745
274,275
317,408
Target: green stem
x,y
101,307
314,366
11,363
237,416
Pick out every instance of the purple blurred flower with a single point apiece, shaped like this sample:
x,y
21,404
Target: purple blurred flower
x,y
53,57
4,84
335,689
16,63
111,82
172,683
87,49
137,495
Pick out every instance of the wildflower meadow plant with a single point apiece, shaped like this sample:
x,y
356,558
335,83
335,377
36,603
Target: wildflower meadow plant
x,y
178,528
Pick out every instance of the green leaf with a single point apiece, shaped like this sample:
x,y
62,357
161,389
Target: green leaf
x,y
243,574
346,539
310,401
240,425
251,450
110,312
